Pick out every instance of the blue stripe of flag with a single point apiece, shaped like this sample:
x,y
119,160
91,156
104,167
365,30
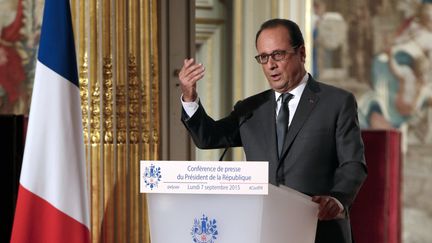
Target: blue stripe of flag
x,y
57,47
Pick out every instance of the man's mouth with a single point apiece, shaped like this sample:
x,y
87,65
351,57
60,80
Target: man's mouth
x,y
275,77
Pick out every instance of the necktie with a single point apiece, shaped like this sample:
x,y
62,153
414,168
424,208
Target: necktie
x,y
282,121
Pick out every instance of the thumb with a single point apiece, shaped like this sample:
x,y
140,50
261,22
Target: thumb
x,y
316,199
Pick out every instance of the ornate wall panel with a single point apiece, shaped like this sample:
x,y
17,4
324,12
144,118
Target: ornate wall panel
x,y
118,67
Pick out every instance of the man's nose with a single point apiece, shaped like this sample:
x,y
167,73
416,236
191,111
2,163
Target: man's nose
x,y
271,64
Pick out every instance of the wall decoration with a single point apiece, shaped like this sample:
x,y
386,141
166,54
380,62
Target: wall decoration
x,y
20,22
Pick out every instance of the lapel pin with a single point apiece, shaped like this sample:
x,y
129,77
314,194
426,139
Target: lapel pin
x,y
311,100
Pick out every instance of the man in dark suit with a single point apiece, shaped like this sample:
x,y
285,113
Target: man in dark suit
x,y
307,130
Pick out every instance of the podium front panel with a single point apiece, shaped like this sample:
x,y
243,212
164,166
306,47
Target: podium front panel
x,y
179,218
288,217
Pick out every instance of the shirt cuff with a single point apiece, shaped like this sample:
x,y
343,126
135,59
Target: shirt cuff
x,y
190,107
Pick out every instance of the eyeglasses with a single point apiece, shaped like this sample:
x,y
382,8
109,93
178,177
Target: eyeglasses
x,y
277,55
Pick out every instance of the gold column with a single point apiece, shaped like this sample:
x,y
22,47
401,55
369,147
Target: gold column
x,y
108,219
121,113
118,69
154,81
133,118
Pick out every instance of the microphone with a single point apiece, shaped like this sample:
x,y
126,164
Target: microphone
x,y
245,118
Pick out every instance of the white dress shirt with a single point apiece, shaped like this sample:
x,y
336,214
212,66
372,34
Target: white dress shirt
x,y
293,103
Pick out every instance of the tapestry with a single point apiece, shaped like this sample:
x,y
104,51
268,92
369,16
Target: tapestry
x,y
20,22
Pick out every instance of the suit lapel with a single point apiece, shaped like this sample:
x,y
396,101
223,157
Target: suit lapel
x,y
269,121
307,103
267,114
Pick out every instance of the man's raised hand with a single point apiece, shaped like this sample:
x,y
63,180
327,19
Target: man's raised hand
x,y
189,75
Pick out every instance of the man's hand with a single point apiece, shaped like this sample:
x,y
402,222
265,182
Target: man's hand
x,y
189,76
329,208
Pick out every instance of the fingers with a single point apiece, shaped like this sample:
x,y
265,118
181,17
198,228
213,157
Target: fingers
x,y
190,73
328,207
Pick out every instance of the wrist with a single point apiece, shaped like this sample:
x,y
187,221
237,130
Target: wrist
x,y
189,98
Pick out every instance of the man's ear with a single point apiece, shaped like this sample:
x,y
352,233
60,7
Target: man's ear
x,y
302,51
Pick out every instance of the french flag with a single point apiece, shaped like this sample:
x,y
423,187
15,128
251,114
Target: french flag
x,y
53,201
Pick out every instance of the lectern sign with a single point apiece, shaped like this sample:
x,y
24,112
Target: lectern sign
x,y
204,177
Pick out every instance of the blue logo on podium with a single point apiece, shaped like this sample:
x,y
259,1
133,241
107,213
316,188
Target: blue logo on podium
x,y
152,176
204,230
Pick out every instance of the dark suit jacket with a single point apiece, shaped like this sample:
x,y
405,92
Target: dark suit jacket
x,y
323,151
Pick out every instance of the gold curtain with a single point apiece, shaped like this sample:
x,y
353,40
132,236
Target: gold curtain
x,y
118,68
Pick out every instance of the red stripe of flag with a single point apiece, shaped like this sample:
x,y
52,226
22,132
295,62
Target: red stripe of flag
x,y
50,225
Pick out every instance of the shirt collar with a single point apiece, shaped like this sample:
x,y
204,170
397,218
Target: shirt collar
x,y
297,91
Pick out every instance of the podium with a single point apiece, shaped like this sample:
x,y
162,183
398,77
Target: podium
x,y
283,215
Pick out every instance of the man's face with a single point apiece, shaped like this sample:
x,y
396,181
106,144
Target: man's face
x,y
286,74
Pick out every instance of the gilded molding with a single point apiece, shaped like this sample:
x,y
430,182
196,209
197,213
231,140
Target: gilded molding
x,y
154,107
145,78
83,80
133,95
155,78
121,114
108,101
95,119
96,190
